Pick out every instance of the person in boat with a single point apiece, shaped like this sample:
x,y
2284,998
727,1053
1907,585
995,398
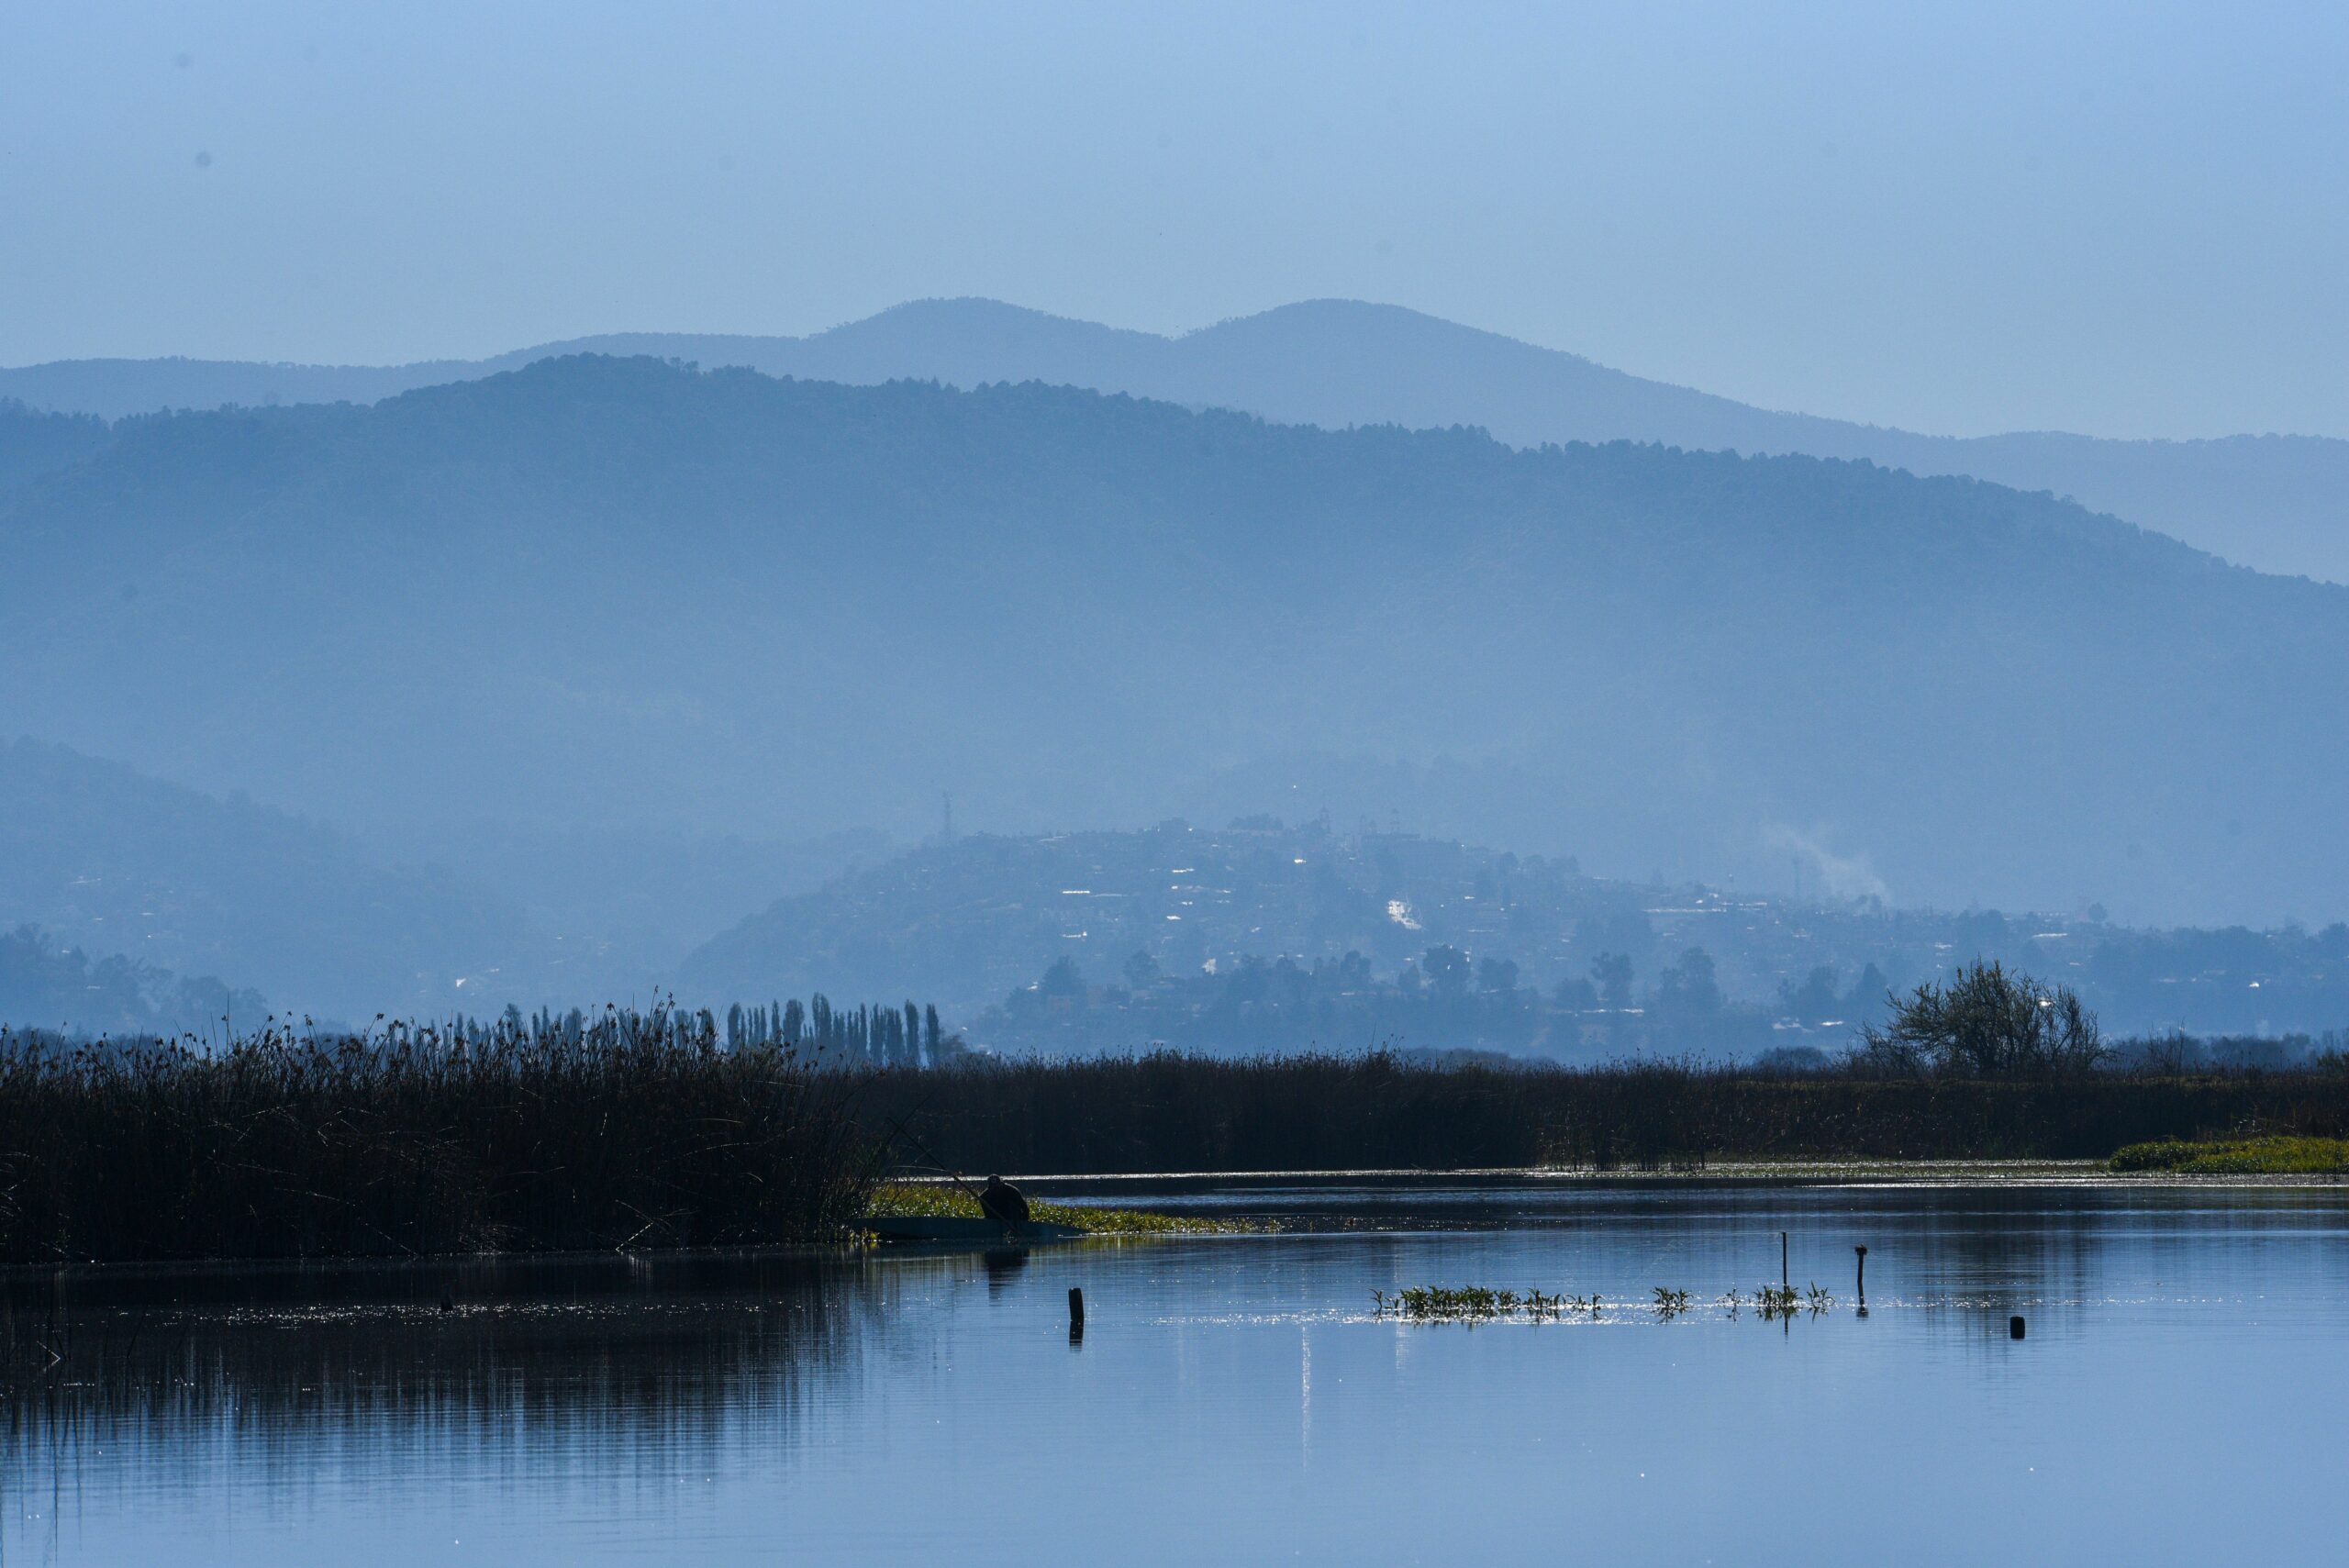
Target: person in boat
x,y
1004,1203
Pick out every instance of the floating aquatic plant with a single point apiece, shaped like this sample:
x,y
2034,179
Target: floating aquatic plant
x,y
1469,1301
1776,1303
1474,1301
2238,1157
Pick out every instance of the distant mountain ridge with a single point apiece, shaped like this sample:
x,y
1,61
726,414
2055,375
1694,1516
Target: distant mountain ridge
x,y
2276,503
600,591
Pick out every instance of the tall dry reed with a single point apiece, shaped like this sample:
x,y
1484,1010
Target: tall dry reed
x,y
1170,1112
638,1129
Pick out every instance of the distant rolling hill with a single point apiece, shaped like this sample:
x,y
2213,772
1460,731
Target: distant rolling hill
x,y
104,858
975,922
2276,503
462,918
603,591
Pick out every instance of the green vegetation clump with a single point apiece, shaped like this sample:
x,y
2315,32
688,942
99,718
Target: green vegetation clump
x,y
2271,1156
1780,1302
1460,1302
928,1200
1474,1303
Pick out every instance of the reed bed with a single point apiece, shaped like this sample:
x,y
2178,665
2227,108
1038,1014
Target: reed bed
x,y
1172,1112
638,1129
648,1131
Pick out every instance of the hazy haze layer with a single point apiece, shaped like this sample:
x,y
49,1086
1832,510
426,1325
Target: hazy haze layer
x,y
603,591
2126,219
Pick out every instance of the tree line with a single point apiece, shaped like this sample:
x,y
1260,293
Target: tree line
x,y
872,1034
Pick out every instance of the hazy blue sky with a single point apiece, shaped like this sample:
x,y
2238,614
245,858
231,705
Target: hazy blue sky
x,y
2125,218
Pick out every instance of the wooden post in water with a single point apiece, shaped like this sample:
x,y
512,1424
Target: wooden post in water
x,y
2014,1328
1784,1283
1863,1252
1076,1312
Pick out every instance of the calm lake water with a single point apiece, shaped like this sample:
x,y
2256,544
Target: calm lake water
x,y
2179,1395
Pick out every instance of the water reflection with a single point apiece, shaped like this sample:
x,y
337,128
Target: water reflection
x,y
657,1356
1003,1266
721,1406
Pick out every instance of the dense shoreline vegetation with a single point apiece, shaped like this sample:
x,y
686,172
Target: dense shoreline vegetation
x,y
1985,1064
665,1129
633,1129
1168,1112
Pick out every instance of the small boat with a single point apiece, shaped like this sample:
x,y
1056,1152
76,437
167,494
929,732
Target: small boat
x,y
966,1231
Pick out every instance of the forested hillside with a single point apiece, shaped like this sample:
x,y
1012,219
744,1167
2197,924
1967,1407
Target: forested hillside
x,y
1264,934
46,988
105,861
33,443
2276,501
603,591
